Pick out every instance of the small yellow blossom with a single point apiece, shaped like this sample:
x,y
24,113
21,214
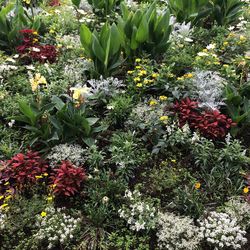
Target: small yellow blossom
x,y
130,72
180,78
146,81
45,174
43,214
152,102
188,75
35,33
225,43
142,72
173,160
163,98
139,85
137,60
38,177
6,183
155,75
4,205
138,67
49,198
225,65
242,38
137,79
164,118
35,40
245,190
1,197
7,197
197,185
51,31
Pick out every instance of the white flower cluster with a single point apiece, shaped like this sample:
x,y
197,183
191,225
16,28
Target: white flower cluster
x,y
221,230
7,68
108,87
70,152
208,86
2,220
140,215
182,32
146,116
177,233
56,227
239,208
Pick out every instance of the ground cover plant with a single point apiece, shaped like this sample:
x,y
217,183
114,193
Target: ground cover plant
x,y
124,124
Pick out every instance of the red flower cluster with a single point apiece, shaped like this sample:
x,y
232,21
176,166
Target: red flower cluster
x,y
67,179
22,169
54,3
210,123
34,50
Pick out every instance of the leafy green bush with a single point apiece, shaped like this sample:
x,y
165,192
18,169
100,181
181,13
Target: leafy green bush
x,y
144,29
104,6
57,122
104,48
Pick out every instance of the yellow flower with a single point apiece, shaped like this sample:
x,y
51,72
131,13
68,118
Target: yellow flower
x,y
35,33
225,43
180,78
1,197
4,205
197,185
204,50
35,40
6,183
137,79
170,75
142,72
242,38
163,118
38,177
7,197
173,160
155,75
163,98
225,65
152,102
130,72
138,67
245,190
80,93
137,60
45,174
51,31
188,75
139,85
43,214
146,81
49,198
38,80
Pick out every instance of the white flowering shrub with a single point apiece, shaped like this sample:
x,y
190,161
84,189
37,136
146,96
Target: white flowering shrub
x,y
2,221
182,32
107,87
208,87
56,228
139,214
177,233
70,152
222,231
239,208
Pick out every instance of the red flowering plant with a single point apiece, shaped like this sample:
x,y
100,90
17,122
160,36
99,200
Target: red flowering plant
x,y
22,170
67,179
32,49
210,123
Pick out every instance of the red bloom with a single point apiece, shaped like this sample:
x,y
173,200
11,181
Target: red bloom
x,y
22,169
67,179
54,3
210,123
